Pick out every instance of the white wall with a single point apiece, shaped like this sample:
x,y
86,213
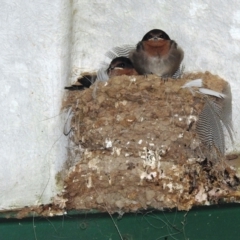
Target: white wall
x,y
35,61
35,43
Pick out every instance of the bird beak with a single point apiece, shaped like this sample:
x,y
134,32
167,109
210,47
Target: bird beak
x,y
118,68
155,39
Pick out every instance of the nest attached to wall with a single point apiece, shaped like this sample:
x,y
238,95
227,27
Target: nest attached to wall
x,y
137,147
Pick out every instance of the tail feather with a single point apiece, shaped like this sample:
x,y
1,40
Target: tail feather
x,y
121,51
178,74
215,116
86,81
102,75
209,127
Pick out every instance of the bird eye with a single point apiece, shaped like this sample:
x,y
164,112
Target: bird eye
x,y
122,65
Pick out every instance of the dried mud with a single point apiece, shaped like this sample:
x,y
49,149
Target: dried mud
x,y
136,145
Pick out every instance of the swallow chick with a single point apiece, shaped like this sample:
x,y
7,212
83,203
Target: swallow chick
x,y
157,54
119,66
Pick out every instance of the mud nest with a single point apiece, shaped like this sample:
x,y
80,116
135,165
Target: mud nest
x,y
136,144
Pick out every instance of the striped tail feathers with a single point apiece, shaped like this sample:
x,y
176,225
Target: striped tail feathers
x,y
121,51
209,127
215,116
223,107
178,74
67,125
102,75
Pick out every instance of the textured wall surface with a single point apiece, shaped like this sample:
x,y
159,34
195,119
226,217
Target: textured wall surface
x,y
34,66
35,61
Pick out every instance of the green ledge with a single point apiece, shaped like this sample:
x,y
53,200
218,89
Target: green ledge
x,y
200,223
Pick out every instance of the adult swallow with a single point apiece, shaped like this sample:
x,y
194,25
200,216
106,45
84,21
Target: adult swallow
x,y
157,54
119,66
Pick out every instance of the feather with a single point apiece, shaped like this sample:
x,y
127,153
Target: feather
x,y
178,74
197,83
102,75
121,51
67,126
87,80
110,54
210,92
209,127
193,83
104,64
75,87
215,116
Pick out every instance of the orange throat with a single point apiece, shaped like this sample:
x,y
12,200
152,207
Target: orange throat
x,y
125,71
157,48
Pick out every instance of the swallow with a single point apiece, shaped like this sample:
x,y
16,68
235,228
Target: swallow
x,y
119,66
157,54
